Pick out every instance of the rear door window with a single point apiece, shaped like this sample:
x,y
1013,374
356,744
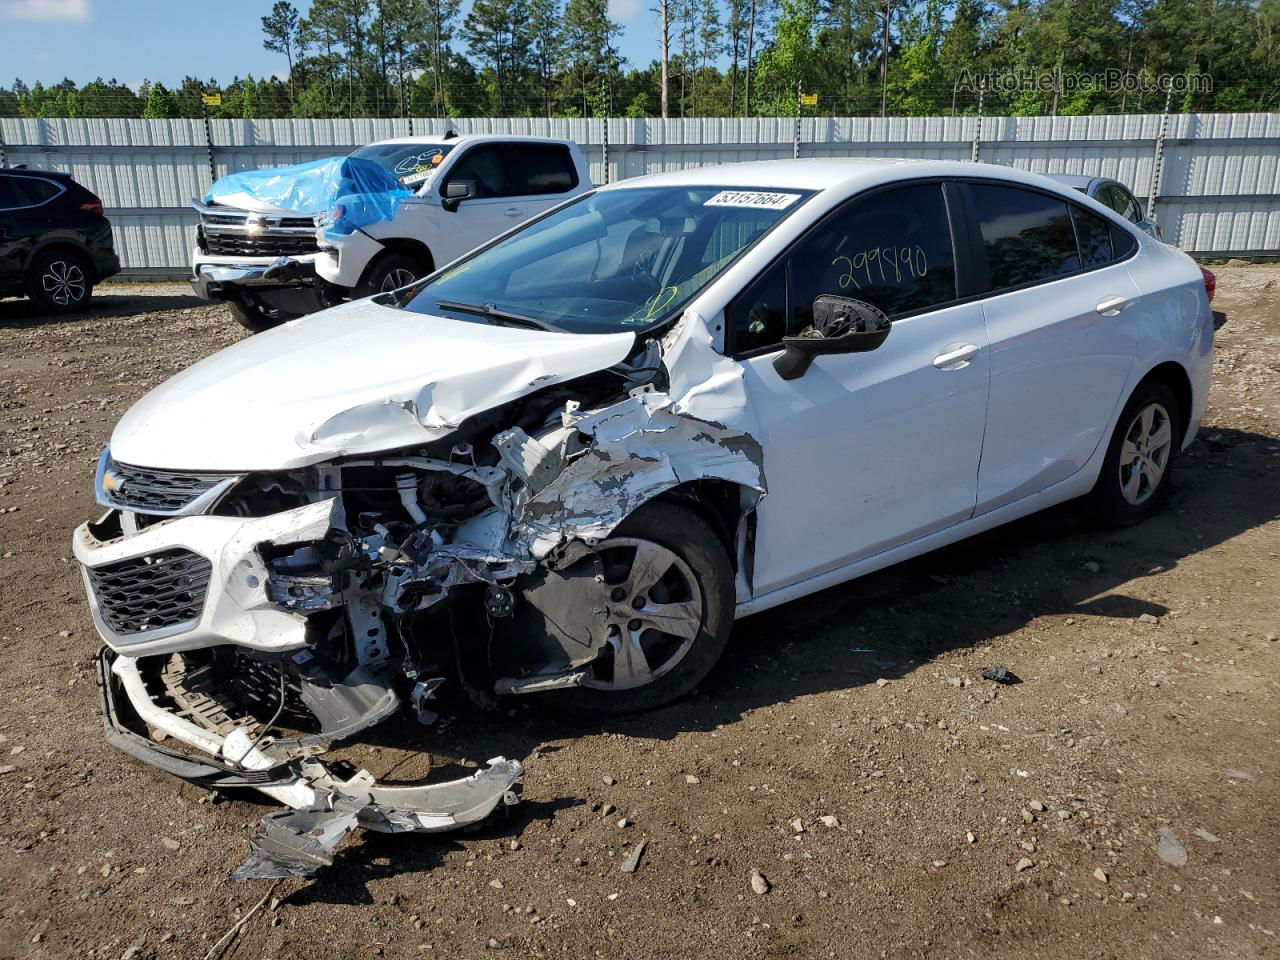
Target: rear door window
x,y
1028,236
535,169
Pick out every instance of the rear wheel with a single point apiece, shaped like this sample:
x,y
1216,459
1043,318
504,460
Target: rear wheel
x,y
391,272
60,281
256,318
668,598
1140,459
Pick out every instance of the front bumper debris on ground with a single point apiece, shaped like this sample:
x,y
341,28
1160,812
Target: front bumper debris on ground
x,y
324,807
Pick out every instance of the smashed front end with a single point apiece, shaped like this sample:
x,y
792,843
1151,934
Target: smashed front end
x,y
253,621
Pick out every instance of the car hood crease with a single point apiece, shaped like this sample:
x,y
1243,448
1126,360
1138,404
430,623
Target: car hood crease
x,y
354,380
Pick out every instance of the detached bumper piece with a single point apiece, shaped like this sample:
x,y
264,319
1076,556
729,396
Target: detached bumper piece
x,y
324,807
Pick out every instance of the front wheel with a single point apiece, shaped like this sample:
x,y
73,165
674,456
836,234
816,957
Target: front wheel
x,y
391,272
667,599
256,318
1140,458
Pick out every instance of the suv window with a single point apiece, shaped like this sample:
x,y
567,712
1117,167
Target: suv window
x,y
1028,236
540,168
26,191
891,249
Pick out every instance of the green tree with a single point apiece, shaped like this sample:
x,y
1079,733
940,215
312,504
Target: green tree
x,y
161,103
497,33
282,27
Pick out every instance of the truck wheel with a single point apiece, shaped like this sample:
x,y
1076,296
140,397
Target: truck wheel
x,y
391,272
256,318
59,281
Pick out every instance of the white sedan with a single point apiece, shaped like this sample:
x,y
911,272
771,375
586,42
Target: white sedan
x,y
564,464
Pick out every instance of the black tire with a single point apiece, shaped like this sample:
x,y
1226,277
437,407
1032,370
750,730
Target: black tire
x,y
390,272
684,532
1108,502
256,318
60,281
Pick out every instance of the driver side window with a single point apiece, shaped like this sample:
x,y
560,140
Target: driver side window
x,y
483,165
891,249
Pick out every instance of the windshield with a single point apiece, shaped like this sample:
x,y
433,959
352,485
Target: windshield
x,y
413,164
609,261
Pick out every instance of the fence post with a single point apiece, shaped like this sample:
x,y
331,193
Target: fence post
x,y
4,156
208,140
795,145
1157,167
977,134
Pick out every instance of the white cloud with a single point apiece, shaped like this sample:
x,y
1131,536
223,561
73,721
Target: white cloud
x,y
625,11
66,10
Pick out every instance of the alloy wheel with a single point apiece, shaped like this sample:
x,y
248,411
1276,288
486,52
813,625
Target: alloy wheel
x,y
654,613
63,282
397,278
1144,454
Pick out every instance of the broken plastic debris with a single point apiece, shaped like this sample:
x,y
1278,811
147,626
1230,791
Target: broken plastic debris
x,y
999,673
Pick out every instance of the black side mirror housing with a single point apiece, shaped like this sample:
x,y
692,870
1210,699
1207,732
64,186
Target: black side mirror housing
x,y
455,191
840,325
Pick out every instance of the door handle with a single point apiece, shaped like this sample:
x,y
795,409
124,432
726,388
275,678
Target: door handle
x,y
511,212
1112,306
955,356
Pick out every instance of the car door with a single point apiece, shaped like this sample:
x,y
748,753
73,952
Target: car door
x,y
514,180
865,451
1062,336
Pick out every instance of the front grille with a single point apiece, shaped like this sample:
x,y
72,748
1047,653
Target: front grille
x,y
143,490
147,593
259,245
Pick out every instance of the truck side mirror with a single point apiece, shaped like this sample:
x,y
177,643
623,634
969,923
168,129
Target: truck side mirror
x,y
455,191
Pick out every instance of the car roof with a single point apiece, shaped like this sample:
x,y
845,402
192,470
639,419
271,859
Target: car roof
x,y
838,174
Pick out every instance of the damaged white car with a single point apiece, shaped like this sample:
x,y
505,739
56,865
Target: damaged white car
x,y
561,466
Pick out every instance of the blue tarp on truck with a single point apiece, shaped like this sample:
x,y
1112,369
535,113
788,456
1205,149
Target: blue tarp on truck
x,y
353,191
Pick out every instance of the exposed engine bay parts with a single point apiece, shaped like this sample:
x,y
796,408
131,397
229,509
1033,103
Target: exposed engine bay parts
x,y
260,619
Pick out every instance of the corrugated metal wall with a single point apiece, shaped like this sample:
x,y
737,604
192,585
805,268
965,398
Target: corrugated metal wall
x,y
1218,192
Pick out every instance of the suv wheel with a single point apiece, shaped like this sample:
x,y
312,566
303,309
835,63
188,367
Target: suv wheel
x,y
60,281
391,272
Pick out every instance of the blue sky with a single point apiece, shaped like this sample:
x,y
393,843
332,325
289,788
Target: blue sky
x,y
164,40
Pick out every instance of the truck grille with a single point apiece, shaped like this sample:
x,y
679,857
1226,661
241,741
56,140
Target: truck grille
x,y
258,245
164,492
147,593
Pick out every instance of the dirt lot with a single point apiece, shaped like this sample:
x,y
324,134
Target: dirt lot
x,y
971,820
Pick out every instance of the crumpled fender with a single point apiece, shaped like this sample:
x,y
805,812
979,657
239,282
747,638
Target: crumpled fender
x,y
647,444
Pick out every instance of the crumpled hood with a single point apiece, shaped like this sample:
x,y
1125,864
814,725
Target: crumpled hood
x,y
356,379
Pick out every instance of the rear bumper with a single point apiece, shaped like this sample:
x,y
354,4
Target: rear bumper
x,y
106,264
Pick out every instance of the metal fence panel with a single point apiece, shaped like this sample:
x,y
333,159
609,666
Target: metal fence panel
x,y
1218,192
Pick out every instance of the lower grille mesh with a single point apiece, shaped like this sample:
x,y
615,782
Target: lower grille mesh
x,y
147,593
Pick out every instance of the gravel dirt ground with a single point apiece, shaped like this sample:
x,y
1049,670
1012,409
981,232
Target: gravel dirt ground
x,y
1120,801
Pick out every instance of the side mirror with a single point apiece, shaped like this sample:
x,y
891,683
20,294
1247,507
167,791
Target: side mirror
x,y
455,191
840,325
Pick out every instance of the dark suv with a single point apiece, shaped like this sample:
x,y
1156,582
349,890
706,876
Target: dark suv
x,y
55,244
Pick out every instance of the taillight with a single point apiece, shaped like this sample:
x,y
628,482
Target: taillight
x,y
1210,283
93,207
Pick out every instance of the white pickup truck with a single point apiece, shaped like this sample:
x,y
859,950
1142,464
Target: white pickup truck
x,y
272,264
